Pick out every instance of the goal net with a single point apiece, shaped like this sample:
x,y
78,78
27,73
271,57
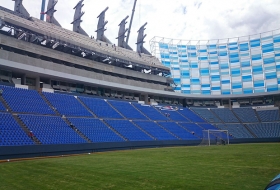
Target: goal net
x,y
215,137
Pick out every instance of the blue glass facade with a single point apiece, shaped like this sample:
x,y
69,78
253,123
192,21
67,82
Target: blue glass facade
x,y
243,65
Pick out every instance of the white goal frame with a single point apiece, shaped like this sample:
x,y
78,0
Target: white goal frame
x,y
206,140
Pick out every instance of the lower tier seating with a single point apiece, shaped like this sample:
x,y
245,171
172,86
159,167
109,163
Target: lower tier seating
x,y
266,130
151,112
246,115
51,130
178,131
207,115
155,130
193,128
2,108
226,115
236,130
128,130
191,115
95,130
11,134
269,115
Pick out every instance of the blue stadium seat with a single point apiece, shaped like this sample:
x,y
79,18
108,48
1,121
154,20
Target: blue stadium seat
x,y
51,129
207,114
151,112
266,130
67,105
127,110
192,127
11,134
269,115
191,115
236,130
207,126
95,130
128,130
100,108
246,115
155,130
2,108
25,101
178,131
174,115
226,115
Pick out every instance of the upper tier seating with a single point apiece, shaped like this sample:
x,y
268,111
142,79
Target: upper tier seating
x,y
192,127
207,114
226,115
266,130
2,108
100,108
11,134
246,115
191,116
178,131
237,130
128,130
95,130
67,105
269,115
25,101
174,115
150,112
155,130
127,110
51,129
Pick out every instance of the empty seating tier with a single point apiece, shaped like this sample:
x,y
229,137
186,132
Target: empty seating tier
x,y
127,110
246,115
151,112
191,116
128,130
100,108
67,105
226,115
11,134
236,130
25,101
266,130
269,115
51,129
95,130
155,130
208,126
207,114
193,128
178,131
174,115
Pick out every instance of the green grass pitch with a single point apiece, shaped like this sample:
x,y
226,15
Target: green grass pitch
x,y
238,167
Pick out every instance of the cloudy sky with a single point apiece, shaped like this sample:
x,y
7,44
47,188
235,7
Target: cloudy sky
x,y
177,19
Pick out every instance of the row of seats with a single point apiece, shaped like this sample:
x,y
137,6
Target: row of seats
x,y
266,130
2,108
236,130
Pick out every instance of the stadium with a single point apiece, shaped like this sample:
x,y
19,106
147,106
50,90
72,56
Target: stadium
x,y
116,118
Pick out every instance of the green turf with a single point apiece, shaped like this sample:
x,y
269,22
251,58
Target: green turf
x,y
245,167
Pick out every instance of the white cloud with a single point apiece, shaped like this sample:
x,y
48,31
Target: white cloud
x,y
178,19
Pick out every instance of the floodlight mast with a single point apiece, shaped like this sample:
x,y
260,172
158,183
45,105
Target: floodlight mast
x,y
42,16
132,15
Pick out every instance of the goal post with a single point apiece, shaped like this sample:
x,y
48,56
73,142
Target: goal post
x,y
214,137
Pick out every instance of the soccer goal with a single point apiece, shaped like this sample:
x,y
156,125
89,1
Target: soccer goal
x,y
215,137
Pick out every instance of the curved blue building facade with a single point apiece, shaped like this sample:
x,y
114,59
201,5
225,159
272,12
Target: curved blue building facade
x,y
243,65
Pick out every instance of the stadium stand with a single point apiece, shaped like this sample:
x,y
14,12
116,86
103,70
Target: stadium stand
x,y
67,105
236,130
226,115
95,130
191,115
206,114
100,108
150,112
207,126
178,131
25,101
128,130
174,115
11,134
266,130
155,130
127,110
246,115
268,115
51,129
192,127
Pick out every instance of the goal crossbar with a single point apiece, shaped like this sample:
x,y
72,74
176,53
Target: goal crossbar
x,y
213,136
